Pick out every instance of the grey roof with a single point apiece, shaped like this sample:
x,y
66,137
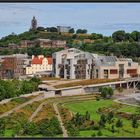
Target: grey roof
x,y
106,60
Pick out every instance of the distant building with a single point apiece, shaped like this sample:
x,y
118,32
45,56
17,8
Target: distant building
x,y
13,66
34,24
44,43
39,64
63,29
113,67
13,46
76,64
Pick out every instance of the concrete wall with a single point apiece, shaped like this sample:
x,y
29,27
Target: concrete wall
x,y
31,94
74,91
49,94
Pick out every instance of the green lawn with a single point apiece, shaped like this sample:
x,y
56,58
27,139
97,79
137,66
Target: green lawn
x,y
128,109
92,106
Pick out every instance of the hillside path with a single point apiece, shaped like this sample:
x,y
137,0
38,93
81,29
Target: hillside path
x,y
60,120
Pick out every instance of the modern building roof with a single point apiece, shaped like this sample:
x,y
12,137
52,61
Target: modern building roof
x,y
106,60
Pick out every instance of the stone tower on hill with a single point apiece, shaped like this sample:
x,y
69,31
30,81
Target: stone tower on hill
x,y
34,23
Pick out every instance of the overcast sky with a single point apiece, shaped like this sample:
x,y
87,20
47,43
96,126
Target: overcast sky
x,y
102,18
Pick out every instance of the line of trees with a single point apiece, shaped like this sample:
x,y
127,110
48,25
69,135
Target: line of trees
x,y
118,123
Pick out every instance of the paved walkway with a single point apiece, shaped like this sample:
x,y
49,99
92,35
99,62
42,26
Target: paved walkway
x,y
118,100
60,120
36,111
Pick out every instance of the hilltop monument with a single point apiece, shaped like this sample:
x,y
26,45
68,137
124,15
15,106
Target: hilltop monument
x,y
33,23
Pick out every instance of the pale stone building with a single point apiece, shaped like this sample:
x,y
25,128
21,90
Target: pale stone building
x,y
39,64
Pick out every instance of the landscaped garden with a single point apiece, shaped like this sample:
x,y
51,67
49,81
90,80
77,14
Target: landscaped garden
x,y
18,124
83,116
99,128
14,102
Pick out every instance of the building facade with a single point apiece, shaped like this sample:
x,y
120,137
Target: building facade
x,y
43,43
63,29
75,64
113,67
13,66
39,64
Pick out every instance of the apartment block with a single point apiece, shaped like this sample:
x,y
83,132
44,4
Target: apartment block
x,y
76,64
73,64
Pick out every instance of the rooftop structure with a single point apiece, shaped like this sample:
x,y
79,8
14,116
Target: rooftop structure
x,y
63,29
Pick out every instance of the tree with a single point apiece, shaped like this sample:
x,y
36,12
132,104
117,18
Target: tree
x,y
102,120
49,127
40,28
2,126
81,31
138,108
5,51
135,35
118,36
104,92
72,31
93,135
30,129
72,131
2,92
119,124
96,36
135,122
52,29
87,116
36,80
113,128
99,133
110,91
110,117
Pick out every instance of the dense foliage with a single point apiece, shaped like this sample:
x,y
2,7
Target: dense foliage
x,y
14,88
106,92
37,50
23,127
120,43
